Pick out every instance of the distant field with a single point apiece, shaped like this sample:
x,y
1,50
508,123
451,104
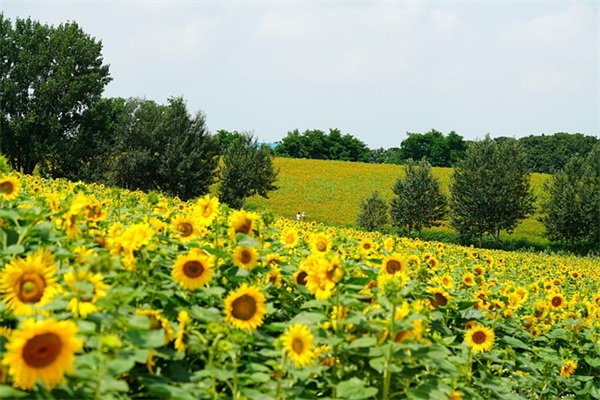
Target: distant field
x,y
330,192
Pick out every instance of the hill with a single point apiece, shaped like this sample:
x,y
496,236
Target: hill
x,y
330,192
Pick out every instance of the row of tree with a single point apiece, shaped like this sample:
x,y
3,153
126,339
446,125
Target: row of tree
x,y
545,154
490,192
53,118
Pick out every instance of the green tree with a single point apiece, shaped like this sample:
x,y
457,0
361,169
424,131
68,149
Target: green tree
x,y
566,211
490,189
48,77
438,150
247,170
315,144
164,148
373,212
418,201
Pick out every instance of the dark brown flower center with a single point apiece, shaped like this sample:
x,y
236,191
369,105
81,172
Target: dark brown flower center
x,y
7,187
244,227
556,301
185,228
245,256
321,246
30,288
439,300
301,278
479,337
393,266
298,345
41,350
244,307
193,268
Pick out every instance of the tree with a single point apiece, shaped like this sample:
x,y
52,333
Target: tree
x,y
418,202
247,170
438,150
315,144
164,148
48,77
566,211
490,189
373,212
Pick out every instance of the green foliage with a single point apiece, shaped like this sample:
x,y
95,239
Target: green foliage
x,y
164,148
315,144
490,189
572,211
373,212
247,170
49,76
418,201
393,155
438,150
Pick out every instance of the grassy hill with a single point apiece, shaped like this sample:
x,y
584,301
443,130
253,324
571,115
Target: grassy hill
x,y
330,192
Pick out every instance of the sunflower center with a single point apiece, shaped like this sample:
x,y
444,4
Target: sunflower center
x,y
440,300
42,350
30,288
393,266
245,257
298,345
321,246
244,227
243,308
185,228
479,337
301,278
7,187
193,269
556,301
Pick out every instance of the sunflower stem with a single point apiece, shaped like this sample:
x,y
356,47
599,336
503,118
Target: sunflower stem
x,y
387,374
279,374
101,372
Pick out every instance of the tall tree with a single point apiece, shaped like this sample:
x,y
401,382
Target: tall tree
x,y
48,77
490,189
373,212
247,170
418,201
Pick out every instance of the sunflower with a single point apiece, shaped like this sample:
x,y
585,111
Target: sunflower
x,y
186,228
41,350
320,243
9,187
193,270
480,338
298,342
158,321
245,307
299,276
136,236
468,279
207,209
245,257
87,288
439,297
568,368
29,282
367,245
274,276
557,301
241,221
289,237
394,263
184,319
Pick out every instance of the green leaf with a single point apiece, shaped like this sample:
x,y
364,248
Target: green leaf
x,y
366,341
514,342
7,392
307,318
594,362
120,365
377,364
14,249
355,389
429,390
147,339
260,377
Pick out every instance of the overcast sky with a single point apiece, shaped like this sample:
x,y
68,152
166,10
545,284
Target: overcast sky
x,y
375,70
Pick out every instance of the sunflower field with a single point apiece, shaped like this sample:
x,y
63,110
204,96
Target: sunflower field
x,y
107,293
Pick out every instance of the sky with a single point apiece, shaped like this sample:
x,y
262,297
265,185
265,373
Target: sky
x,y
373,69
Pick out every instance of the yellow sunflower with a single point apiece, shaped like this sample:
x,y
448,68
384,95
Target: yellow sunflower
x,y
241,221
299,276
468,279
299,345
87,288
367,245
245,257
207,209
557,301
394,263
289,237
186,228
568,368
439,297
320,243
245,307
26,283
10,187
480,338
184,319
193,270
41,350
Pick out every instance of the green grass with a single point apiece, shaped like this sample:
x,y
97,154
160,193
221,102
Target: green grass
x,y
330,192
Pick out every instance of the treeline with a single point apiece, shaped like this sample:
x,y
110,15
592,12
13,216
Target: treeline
x,y
54,120
543,153
490,193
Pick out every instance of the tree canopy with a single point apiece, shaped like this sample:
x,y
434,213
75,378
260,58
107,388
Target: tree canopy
x,y
48,77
